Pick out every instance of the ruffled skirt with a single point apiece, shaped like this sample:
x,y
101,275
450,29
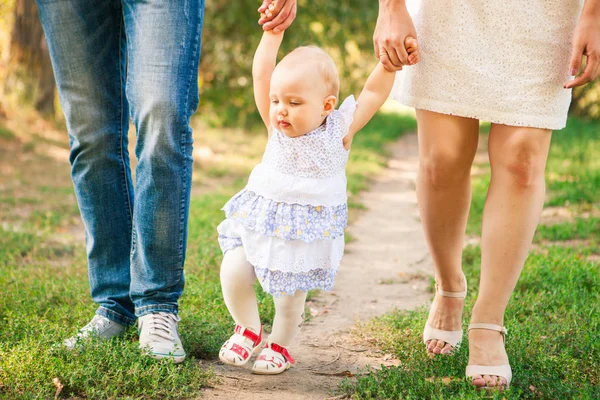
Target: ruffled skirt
x,y
291,246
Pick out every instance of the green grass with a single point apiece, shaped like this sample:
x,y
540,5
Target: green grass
x,y
553,316
6,133
553,319
45,293
580,228
572,172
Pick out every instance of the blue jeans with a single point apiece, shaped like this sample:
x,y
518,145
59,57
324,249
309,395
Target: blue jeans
x,y
114,60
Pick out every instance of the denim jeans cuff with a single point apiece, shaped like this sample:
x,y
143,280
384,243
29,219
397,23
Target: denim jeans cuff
x,y
115,316
155,308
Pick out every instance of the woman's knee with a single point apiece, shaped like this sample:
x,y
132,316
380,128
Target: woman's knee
x,y
445,168
522,162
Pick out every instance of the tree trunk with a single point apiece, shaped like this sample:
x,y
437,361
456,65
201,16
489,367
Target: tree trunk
x,y
30,74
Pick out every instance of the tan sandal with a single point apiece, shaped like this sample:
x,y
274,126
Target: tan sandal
x,y
503,371
453,338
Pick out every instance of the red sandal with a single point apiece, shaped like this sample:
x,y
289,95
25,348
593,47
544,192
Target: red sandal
x,y
240,346
273,359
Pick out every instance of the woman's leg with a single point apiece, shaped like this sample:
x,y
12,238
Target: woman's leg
x,y
512,210
237,283
447,146
289,314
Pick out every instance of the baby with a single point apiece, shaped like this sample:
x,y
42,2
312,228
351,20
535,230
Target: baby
x,y
286,227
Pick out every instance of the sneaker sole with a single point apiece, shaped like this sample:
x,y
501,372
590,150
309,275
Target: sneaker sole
x,y
159,356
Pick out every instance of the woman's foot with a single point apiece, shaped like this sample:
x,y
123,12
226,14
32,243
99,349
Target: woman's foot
x,y
273,359
443,331
241,345
488,362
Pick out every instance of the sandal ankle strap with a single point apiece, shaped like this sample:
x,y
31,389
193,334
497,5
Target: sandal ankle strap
x,y
257,339
457,295
490,327
281,350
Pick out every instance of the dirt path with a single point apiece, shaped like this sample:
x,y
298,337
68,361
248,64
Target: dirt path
x,y
386,266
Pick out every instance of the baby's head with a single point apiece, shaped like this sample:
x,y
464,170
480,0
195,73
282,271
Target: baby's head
x,y
304,91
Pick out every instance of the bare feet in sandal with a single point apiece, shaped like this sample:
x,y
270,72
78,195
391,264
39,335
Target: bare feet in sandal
x,y
488,362
443,331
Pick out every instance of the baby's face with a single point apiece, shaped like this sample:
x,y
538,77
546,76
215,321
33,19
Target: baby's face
x,y
298,100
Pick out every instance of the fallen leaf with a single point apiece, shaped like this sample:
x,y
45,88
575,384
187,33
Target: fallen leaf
x,y
59,387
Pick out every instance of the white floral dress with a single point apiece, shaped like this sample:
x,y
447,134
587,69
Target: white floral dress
x,y
290,217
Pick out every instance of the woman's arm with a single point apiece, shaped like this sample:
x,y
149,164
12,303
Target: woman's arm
x,y
263,65
586,42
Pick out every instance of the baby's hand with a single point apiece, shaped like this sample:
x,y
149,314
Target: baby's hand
x,y
412,48
277,15
267,12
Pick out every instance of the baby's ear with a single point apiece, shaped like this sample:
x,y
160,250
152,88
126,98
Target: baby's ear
x,y
329,104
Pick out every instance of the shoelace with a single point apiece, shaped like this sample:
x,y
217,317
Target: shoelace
x,y
97,323
163,324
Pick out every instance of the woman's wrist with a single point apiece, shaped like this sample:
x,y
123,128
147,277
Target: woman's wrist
x,y
392,4
591,8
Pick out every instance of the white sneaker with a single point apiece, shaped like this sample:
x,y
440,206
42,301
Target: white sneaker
x,y
100,327
159,336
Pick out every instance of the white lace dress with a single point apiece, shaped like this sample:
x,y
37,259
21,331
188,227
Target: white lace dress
x,y
498,61
290,217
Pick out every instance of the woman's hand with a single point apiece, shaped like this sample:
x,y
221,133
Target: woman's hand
x,y
586,42
277,15
393,26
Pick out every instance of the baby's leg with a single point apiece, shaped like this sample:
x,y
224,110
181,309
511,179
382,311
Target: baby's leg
x,y
289,314
237,283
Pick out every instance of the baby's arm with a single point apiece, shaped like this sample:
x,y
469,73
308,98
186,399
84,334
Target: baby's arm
x,y
376,91
262,69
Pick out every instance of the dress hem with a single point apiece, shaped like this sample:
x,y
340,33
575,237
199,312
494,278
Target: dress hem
x,y
495,117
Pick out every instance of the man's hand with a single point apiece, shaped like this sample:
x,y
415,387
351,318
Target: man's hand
x,y
586,42
393,26
277,15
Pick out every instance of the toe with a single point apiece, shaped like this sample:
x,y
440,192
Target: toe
x,y
489,381
438,347
478,381
447,349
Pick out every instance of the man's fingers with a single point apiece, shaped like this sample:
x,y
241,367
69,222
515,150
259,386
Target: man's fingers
x,y
289,7
288,21
264,6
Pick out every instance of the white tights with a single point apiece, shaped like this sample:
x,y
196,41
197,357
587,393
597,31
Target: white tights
x,y
237,283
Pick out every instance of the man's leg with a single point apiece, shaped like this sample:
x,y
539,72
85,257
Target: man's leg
x,y
86,41
163,46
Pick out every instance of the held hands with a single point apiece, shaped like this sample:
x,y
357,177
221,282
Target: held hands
x,y
586,42
277,15
394,27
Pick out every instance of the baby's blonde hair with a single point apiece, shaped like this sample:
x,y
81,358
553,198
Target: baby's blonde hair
x,y
323,62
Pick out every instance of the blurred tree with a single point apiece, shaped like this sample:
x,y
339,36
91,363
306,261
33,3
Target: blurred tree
x,y
29,71
586,101
343,28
